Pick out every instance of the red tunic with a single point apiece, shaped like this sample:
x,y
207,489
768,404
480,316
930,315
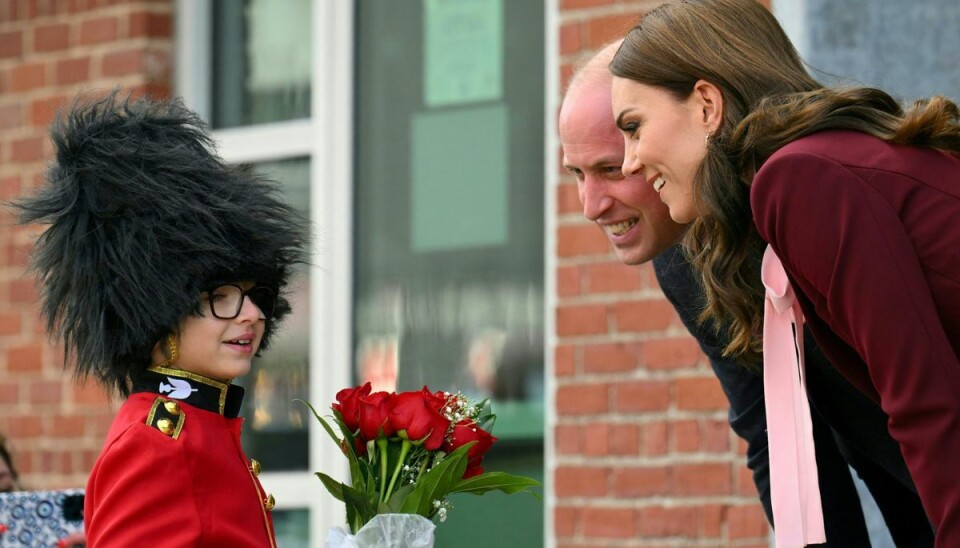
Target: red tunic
x,y
177,478
869,234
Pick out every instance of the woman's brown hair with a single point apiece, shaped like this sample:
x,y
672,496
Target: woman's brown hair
x,y
769,100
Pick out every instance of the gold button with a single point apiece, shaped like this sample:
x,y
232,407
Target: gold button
x,y
165,426
172,407
270,502
255,467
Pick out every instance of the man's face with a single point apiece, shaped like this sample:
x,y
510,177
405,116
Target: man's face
x,y
627,208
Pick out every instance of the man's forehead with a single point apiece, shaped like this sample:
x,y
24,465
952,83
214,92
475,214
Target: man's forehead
x,y
587,155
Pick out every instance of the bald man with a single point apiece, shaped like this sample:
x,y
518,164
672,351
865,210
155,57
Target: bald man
x,y
848,427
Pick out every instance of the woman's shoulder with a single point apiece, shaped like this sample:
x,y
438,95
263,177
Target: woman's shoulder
x,y
839,145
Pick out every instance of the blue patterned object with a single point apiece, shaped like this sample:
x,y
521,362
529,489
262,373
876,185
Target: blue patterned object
x,y
37,518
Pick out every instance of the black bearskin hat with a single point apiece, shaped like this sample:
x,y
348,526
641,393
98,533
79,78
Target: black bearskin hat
x,y
144,216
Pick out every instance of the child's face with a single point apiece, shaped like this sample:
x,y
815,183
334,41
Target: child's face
x,y
216,348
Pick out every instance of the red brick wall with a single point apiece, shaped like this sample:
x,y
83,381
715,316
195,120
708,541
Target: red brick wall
x,y
644,454
51,50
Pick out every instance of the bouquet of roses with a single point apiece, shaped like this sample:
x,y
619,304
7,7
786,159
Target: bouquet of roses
x,y
408,452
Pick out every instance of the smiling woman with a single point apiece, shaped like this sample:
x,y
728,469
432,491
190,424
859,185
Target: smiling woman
x,y
163,272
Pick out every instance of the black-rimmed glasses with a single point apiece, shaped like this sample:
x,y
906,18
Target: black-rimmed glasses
x,y
226,300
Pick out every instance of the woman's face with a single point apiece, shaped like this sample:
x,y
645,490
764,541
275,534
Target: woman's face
x,y
665,140
215,348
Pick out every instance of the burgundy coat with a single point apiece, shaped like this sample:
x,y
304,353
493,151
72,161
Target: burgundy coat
x,y
177,478
869,234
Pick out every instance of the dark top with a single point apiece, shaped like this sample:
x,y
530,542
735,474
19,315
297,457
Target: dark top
x,y
848,427
867,232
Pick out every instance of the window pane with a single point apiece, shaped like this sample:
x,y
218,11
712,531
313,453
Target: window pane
x,y
449,221
449,198
261,62
276,432
292,527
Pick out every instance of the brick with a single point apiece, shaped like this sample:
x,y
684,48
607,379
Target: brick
x,y
644,315
72,71
568,200
68,426
702,479
9,392
23,427
645,395
658,521
43,111
583,399
686,436
566,74
624,439
51,37
10,324
88,392
29,149
612,278
123,63
673,353
609,358
700,393
44,392
715,436
44,8
654,439
581,320
150,24
10,116
11,44
9,10
567,438
746,522
571,40
563,360
601,31
28,76
10,187
570,481
638,482
609,522
23,290
99,30
565,519
744,479
580,4
583,239
710,520
596,439
25,358
568,281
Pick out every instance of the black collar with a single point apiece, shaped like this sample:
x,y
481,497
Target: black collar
x,y
191,389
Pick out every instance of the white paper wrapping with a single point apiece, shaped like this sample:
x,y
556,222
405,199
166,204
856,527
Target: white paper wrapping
x,y
386,531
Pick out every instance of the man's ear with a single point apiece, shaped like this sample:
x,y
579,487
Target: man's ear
x,y
710,102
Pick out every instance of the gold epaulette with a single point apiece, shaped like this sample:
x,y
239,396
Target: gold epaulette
x,y
166,416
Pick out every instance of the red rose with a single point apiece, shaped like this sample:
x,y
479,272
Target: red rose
x,y
416,415
436,400
348,404
464,432
373,416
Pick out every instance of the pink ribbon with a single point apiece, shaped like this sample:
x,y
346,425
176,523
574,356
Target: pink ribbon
x,y
794,486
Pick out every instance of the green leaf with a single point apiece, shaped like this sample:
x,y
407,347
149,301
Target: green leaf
x,y
436,483
332,485
359,508
496,481
396,500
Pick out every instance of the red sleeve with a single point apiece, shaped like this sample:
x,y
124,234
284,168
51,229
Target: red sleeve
x,y
852,257
140,493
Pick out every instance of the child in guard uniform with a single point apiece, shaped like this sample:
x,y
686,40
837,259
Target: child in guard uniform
x,y
162,272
